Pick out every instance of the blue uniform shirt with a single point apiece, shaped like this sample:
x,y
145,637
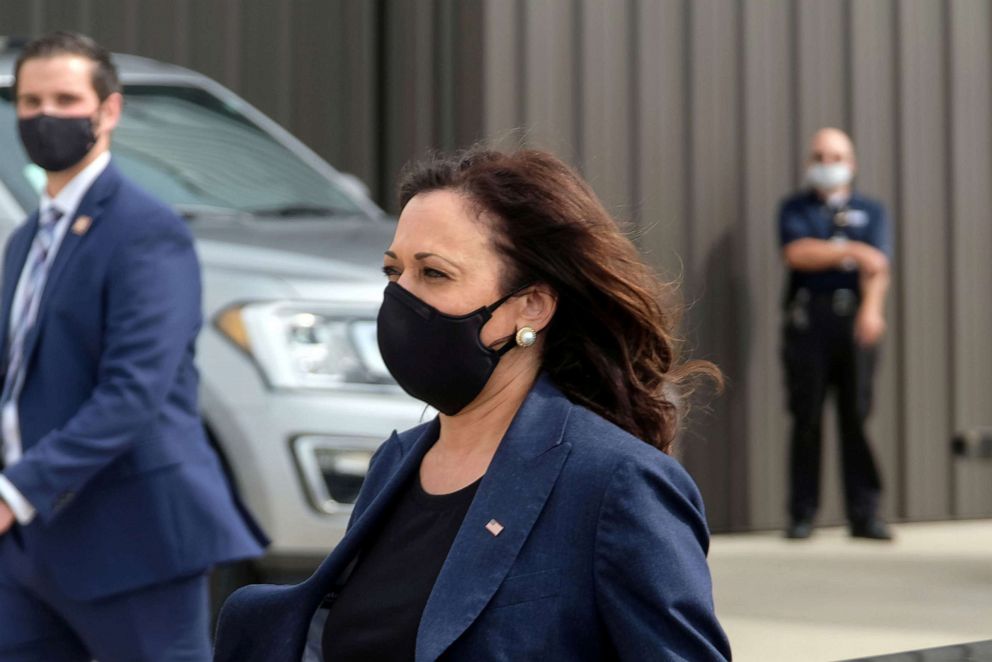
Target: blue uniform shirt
x,y
805,215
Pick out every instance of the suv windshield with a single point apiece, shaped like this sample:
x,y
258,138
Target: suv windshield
x,y
194,151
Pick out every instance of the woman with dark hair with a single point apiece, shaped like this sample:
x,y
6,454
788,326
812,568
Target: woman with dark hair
x,y
539,515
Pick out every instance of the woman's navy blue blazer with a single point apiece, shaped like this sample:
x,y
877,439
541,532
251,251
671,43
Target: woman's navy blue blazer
x,y
601,556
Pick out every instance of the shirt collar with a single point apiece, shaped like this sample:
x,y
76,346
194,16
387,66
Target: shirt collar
x,y
852,199
838,201
68,199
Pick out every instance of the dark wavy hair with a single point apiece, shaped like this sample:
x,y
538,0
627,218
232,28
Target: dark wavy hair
x,y
105,78
611,345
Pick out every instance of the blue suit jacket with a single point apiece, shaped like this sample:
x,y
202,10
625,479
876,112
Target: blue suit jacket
x,y
602,554
127,489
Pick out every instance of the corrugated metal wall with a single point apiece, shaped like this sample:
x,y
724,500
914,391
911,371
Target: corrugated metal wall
x,y
690,119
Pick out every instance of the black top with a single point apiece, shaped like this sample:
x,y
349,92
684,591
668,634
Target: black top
x,y
376,614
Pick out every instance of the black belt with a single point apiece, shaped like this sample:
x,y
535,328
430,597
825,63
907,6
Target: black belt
x,y
843,302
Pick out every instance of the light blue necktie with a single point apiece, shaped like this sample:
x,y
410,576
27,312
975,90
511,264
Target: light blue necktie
x,y
25,311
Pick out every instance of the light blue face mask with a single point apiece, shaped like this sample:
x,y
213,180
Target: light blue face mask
x,y
829,176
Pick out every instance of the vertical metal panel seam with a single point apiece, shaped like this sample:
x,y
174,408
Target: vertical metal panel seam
x,y
520,121
741,223
952,222
37,18
578,90
441,53
285,63
688,155
899,293
634,109
232,57
85,16
371,173
796,97
131,27
182,41
380,148
848,47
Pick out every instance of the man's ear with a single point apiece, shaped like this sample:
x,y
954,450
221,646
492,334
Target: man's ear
x,y
539,305
110,112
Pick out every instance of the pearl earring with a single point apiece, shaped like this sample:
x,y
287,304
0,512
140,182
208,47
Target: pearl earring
x,y
526,336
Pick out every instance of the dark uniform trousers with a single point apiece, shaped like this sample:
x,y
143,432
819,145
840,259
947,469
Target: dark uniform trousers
x,y
820,354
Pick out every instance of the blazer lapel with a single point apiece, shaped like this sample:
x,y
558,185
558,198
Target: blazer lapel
x,y
513,492
12,268
349,546
88,214
90,208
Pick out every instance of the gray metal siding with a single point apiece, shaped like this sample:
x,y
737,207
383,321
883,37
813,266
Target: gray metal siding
x,y
690,118
970,240
924,224
713,275
873,123
770,148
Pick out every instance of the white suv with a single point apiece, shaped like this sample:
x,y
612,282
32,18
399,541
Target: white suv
x,y
294,393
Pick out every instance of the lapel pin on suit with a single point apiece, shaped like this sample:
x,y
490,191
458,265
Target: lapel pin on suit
x,y
81,225
494,527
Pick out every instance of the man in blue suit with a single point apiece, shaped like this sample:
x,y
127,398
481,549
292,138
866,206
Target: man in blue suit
x,y
112,504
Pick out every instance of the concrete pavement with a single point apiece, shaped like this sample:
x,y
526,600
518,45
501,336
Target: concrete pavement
x,y
835,598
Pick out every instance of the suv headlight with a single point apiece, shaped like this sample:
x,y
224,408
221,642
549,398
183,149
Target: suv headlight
x,y
333,469
310,346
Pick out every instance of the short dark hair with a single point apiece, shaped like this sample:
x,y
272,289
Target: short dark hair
x,y
105,80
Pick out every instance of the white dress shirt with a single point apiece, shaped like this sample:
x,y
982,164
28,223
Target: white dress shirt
x,y
67,201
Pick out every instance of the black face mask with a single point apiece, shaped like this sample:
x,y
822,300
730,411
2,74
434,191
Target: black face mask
x,y
56,143
434,357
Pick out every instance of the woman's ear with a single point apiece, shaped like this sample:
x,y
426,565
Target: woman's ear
x,y
539,305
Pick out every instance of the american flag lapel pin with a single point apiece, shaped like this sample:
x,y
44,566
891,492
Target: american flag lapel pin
x,y
494,527
81,225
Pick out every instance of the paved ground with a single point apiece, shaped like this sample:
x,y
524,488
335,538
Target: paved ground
x,y
834,598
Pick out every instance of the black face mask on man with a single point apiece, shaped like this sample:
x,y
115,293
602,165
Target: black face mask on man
x,y
435,357
56,143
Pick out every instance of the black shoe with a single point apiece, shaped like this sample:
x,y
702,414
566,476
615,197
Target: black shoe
x,y
799,529
872,528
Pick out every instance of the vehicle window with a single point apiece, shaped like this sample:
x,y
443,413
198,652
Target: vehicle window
x,y
192,150
18,174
